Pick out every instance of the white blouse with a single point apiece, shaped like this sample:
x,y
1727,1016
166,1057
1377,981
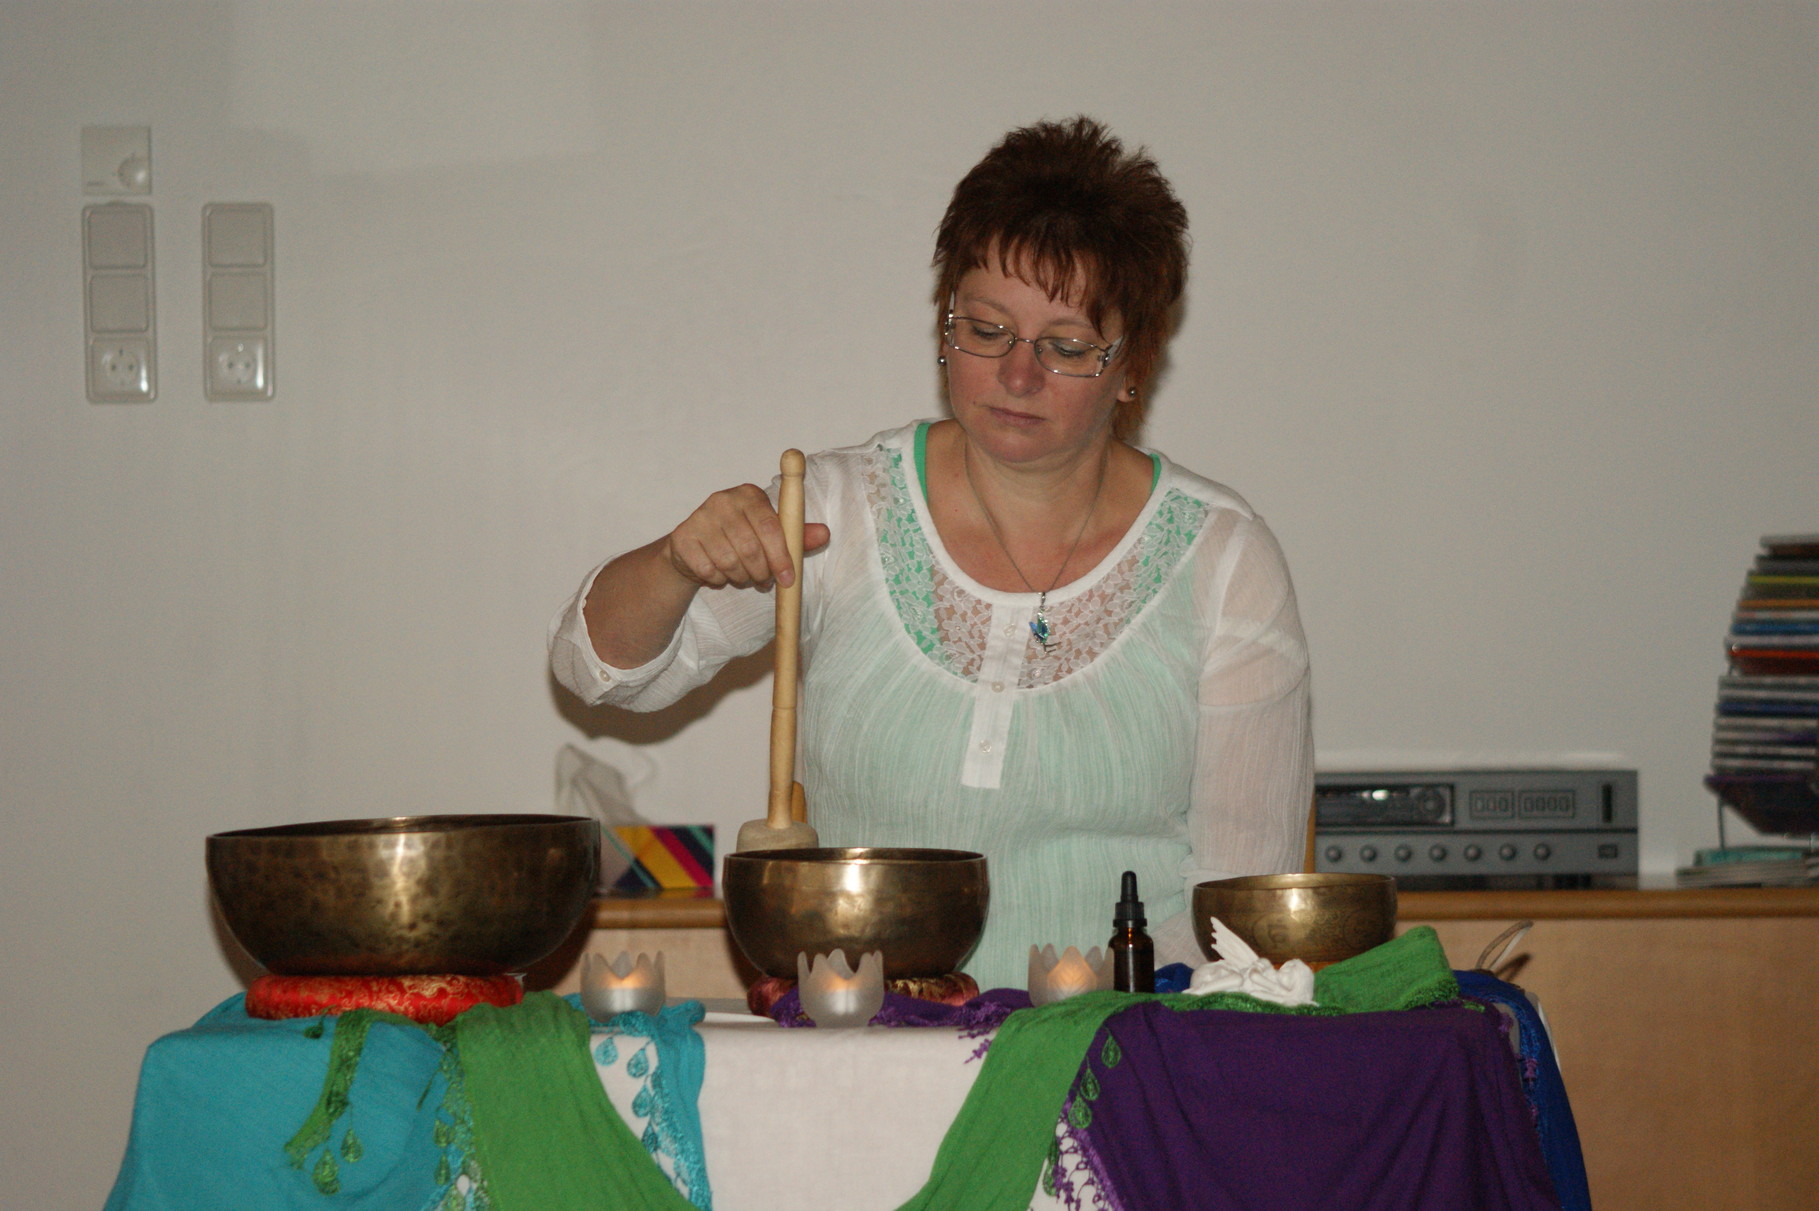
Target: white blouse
x,y
1166,731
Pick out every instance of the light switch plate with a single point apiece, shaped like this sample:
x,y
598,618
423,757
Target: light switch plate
x,y
119,303
238,320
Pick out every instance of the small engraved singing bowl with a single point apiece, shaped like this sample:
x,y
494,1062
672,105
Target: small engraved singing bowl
x,y
923,908
1317,918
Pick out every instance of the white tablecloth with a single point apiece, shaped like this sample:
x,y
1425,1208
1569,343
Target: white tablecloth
x,y
834,1120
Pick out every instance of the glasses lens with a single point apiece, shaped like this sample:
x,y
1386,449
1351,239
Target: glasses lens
x,y
978,337
1077,359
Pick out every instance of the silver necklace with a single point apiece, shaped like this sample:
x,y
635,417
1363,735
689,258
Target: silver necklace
x,y
1039,625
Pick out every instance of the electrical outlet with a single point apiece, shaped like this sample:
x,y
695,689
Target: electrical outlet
x,y
120,370
236,369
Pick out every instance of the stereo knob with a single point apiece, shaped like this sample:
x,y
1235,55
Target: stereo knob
x,y
1473,853
1334,853
1404,853
1507,852
1367,853
1437,853
1544,851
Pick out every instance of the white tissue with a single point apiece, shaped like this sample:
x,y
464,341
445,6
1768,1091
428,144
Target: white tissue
x,y
588,786
1241,970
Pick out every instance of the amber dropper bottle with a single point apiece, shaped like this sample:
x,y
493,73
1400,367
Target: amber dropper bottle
x,y
1133,953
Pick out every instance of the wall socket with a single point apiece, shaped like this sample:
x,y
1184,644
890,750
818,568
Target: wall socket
x,y
236,368
120,369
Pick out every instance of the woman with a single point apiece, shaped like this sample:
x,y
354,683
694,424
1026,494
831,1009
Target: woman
x,y
1022,635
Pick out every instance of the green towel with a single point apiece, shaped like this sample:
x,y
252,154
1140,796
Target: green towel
x,y
547,1136
992,1155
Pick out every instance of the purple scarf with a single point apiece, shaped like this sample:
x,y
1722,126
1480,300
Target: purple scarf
x,y
1404,1111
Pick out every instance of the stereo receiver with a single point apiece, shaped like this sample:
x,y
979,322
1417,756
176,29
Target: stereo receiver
x,y
1465,828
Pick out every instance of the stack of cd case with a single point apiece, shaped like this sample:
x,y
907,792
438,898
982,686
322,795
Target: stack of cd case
x,y
1765,731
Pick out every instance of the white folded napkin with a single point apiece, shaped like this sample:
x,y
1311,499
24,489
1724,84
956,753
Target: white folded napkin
x,y
1241,970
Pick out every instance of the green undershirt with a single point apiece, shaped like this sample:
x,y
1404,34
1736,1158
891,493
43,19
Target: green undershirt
x,y
922,461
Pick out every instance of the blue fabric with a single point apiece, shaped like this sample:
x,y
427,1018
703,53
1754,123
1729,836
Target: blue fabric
x,y
670,1098
1541,1082
218,1102
1174,978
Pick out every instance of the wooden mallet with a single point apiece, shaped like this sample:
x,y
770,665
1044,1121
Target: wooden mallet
x,y
785,825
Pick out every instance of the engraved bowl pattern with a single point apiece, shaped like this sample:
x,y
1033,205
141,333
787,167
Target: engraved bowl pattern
x,y
406,895
1317,918
924,908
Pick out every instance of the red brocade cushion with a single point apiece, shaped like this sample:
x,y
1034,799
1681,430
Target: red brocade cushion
x,y
432,999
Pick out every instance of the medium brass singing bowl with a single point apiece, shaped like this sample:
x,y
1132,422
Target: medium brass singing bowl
x,y
1317,918
923,908
406,895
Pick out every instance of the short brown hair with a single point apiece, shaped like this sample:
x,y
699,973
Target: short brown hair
x,y
1060,199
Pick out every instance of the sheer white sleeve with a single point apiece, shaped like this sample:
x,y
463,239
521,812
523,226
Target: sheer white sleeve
x,y
721,624
1254,760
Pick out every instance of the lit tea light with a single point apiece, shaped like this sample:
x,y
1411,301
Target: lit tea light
x,y
1056,978
835,995
622,986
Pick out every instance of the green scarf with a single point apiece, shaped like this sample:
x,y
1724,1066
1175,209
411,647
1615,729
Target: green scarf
x,y
547,1136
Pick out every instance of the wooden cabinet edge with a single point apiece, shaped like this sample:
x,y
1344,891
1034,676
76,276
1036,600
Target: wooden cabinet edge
x,y
703,912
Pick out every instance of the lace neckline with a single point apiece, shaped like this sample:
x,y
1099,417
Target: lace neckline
x,y
950,567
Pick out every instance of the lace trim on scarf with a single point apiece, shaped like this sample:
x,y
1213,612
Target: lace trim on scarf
x,y
950,624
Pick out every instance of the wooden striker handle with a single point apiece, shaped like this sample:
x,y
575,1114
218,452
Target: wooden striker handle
x,y
789,646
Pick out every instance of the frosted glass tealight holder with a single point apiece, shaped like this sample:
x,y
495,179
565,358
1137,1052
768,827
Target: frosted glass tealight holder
x,y
1056,978
622,986
835,995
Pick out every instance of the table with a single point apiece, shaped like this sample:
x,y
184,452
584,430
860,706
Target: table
x,y
1728,977
852,1119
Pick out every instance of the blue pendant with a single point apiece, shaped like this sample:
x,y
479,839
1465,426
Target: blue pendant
x,y
1039,628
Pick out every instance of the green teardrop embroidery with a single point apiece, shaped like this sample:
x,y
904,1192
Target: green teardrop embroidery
x,y
1089,1086
1080,1115
1110,1054
351,1147
327,1175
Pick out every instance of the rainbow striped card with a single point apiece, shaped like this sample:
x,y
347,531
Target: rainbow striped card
x,y
665,858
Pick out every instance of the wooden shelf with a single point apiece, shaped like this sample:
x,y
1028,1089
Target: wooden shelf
x,y
1609,904
706,912
684,911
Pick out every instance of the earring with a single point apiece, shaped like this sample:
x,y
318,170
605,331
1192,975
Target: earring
x,y
942,360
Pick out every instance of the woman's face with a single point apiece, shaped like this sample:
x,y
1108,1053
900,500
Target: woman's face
x,y
1011,407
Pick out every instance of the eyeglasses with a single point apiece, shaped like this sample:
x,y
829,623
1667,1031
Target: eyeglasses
x,y
1055,354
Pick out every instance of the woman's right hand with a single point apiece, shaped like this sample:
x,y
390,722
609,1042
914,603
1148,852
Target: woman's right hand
x,y
735,540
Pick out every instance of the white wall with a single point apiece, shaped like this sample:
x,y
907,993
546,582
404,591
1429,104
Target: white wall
x,y
1502,313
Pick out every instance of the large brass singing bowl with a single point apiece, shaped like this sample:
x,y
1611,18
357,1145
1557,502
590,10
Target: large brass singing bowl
x,y
1317,918
923,908
406,895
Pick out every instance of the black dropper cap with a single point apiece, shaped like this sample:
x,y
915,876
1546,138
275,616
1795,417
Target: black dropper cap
x,y
1130,908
